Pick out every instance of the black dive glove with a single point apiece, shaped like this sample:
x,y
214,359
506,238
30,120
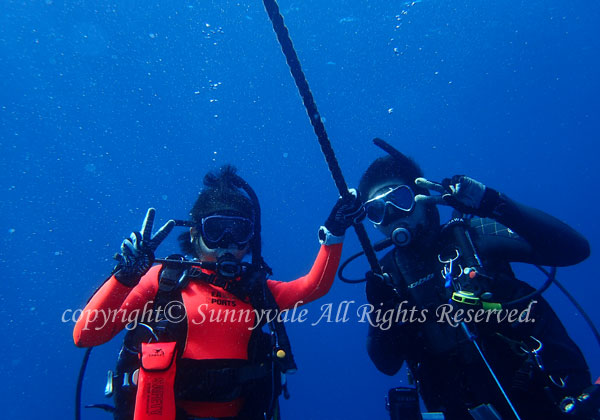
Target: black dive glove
x,y
346,212
137,251
380,293
463,193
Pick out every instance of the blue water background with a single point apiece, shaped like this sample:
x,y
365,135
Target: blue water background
x,y
108,108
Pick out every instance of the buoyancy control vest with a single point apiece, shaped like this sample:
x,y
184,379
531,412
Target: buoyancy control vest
x,y
457,274
259,379
452,274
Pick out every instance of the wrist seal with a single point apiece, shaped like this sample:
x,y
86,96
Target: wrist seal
x,y
328,238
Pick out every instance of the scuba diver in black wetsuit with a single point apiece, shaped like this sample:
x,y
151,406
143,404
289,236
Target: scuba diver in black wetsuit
x,y
523,369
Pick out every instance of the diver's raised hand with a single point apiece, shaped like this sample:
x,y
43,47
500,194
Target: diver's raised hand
x,y
347,211
137,251
461,192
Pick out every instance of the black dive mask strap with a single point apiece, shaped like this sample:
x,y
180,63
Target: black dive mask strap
x,y
400,159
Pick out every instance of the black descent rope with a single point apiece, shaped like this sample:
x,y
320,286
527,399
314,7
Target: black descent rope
x,y
291,57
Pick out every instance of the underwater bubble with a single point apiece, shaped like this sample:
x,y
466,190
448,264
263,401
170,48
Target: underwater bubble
x,y
11,230
286,154
214,85
90,167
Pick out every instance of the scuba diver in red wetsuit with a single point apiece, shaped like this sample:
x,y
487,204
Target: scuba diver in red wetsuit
x,y
201,351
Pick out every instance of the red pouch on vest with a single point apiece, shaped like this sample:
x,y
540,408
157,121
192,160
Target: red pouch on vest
x,y
155,398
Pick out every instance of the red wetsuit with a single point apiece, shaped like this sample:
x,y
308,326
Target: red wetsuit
x,y
224,338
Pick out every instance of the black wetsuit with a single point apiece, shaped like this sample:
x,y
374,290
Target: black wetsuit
x,y
450,374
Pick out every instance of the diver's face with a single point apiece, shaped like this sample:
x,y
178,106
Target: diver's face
x,y
395,218
205,253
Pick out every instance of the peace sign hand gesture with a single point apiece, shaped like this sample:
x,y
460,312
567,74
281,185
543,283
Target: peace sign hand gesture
x,y
461,192
137,251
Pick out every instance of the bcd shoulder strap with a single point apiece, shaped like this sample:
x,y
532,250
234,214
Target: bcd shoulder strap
x,y
172,279
262,298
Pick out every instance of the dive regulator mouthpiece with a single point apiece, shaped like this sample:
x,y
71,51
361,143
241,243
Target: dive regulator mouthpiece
x,y
228,266
401,236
